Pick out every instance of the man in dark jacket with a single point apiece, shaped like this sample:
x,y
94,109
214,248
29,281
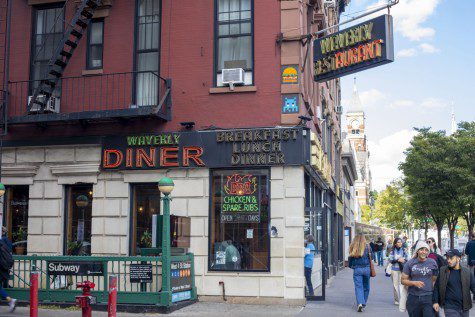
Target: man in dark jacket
x,y
374,249
379,251
453,286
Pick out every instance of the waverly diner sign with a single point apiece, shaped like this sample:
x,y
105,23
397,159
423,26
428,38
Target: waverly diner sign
x,y
211,149
365,45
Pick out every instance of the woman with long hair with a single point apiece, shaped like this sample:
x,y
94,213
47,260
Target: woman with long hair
x,y
397,257
359,261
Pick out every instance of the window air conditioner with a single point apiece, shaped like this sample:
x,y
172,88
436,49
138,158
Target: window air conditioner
x,y
330,3
52,104
339,109
233,76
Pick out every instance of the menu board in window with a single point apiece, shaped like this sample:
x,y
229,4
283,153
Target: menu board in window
x,y
240,199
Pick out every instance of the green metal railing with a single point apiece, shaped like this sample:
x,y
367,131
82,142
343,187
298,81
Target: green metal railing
x,y
63,288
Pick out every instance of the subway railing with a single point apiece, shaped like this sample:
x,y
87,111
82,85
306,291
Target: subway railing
x,y
54,288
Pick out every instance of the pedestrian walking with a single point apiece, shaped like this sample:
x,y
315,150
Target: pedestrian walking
x,y
379,251
470,253
389,247
435,253
359,260
419,275
453,286
6,263
398,256
308,263
374,249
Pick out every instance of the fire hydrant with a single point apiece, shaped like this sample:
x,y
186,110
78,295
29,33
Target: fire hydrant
x,y
86,299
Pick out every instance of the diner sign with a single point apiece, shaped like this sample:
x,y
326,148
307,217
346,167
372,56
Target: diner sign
x,y
365,45
240,201
211,149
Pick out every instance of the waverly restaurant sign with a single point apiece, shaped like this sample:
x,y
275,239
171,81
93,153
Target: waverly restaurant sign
x,y
366,45
211,149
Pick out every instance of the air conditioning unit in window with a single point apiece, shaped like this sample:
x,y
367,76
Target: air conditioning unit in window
x,y
339,109
52,104
330,3
233,76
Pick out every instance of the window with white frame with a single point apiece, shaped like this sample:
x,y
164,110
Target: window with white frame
x,y
234,38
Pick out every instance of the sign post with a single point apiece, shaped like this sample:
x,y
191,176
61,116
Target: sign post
x,y
165,186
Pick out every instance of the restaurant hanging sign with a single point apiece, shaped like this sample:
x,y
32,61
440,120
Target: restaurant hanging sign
x,y
240,200
365,45
211,149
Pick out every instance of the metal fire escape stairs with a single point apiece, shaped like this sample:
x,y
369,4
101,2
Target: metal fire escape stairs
x,y
76,28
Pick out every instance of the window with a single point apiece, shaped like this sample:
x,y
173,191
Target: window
x,y
145,204
78,220
47,34
356,193
147,49
239,221
95,44
15,218
234,37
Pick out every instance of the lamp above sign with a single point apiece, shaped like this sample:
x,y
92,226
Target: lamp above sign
x,y
365,45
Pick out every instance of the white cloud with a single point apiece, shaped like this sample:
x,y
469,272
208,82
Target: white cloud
x,y
402,103
428,48
410,15
433,103
372,97
407,53
386,154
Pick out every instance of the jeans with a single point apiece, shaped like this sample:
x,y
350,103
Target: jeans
x,y
456,313
373,255
361,281
379,255
308,279
3,294
419,306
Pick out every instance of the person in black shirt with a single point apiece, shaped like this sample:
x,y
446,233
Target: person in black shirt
x,y
453,286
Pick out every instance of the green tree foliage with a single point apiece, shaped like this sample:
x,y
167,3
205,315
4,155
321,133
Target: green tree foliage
x,y
432,179
393,207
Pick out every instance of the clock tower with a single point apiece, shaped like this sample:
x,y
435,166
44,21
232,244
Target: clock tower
x,y
356,134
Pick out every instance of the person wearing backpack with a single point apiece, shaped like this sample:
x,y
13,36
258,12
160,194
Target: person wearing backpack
x,y
6,263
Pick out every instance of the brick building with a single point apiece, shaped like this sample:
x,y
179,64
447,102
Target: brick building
x,y
100,99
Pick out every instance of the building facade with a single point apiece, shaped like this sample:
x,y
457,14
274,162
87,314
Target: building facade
x,y
97,110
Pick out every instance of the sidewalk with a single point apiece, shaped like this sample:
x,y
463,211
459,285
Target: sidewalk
x,y
198,309
341,302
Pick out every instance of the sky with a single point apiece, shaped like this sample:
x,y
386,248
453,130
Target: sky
x,y
432,72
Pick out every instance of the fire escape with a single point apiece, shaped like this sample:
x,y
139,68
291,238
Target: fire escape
x,y
84,99
58,63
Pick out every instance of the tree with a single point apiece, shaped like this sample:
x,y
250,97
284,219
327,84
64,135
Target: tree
x,y
393,207
366,214
464,140
432,179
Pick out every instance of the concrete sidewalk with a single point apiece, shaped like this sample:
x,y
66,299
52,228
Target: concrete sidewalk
x,y
198,309
341,301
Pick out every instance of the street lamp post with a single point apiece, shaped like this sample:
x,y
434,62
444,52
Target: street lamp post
x,y
165,185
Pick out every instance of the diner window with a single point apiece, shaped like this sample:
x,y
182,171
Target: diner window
x,y
95,44
234,38
239,221
78,221
145,204
15,217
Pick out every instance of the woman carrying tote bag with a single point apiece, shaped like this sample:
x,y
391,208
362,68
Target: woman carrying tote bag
x,y
359,261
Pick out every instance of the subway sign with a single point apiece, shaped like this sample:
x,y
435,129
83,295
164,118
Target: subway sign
x,y
366,45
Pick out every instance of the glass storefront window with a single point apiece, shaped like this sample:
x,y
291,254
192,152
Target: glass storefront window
x,y
239,221
78,220
145,204
16,217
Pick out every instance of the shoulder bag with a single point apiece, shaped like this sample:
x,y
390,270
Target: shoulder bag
x,y
371,265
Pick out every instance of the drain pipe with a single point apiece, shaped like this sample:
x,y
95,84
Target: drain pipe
x,y
224,291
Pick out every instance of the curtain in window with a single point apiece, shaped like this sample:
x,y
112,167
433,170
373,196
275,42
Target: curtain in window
x,y
147,53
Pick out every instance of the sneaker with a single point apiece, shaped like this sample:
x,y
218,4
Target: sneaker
x,y
396,303
12,305
360,308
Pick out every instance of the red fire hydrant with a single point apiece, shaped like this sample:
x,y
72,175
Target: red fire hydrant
x,y
86,299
